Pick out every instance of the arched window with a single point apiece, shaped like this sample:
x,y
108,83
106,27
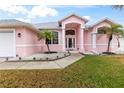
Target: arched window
x,y
70,32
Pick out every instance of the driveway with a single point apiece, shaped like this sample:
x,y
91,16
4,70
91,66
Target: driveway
x,y
58,64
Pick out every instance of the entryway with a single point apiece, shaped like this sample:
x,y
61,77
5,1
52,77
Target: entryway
x,y
70,42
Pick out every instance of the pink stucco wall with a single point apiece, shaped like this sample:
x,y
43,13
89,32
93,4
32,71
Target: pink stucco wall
x,y
87,40
54,47
73,19
101,40
78,37
28,43
69,24
102,43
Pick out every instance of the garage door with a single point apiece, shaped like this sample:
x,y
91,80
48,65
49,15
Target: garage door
x,y
7,44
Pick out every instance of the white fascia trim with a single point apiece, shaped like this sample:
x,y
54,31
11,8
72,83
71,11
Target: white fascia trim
x,y
28,45
34,45
39,45
101,44
8,29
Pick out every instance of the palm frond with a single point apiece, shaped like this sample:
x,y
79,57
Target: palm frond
x,y
45,34
116,29
120,7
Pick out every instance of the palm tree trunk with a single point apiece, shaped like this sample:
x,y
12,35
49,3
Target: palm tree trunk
x,y
109,42
48,47
118,42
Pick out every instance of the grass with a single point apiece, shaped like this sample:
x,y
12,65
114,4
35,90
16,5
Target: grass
x,y
91,71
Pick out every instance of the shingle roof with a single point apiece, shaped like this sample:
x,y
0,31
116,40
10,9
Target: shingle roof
x,y
15,23
48,25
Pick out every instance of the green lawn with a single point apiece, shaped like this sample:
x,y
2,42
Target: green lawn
x,y
91,71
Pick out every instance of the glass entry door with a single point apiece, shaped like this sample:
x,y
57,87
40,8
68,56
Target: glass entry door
x,y
70,42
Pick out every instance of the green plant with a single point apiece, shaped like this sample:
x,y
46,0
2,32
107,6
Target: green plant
x,y
118,7
114,29
46,35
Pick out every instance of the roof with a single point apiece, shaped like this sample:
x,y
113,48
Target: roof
x,y
15,23
55,25
48,25
102,20
75,16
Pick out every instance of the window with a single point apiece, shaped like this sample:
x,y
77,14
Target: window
x,y
70,32
54,40
101,30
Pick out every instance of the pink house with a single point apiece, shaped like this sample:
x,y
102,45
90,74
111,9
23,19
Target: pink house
x,y
20,39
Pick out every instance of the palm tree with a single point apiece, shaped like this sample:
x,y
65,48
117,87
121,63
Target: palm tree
x,y
118,7
114,29
46,35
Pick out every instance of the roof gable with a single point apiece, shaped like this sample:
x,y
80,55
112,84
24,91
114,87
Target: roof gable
x,y
104,20
74,16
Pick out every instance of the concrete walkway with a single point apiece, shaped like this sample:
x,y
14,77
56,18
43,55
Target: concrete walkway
x,y
58,64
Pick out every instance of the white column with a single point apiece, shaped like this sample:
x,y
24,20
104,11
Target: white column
x,y
82,39
93,40
63,38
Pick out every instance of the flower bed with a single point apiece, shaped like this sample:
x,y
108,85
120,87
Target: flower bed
x,y
39,57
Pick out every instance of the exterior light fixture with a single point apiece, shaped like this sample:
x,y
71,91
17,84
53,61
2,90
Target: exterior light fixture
x,y
19,35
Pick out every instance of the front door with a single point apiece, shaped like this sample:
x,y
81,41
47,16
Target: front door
x,y
70,42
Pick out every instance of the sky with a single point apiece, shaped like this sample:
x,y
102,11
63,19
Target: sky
x,y
39,13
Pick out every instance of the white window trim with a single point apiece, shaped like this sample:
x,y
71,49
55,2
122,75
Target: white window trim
x,y
58,38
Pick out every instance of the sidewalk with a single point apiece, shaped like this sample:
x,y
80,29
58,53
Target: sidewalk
x,y
58,64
